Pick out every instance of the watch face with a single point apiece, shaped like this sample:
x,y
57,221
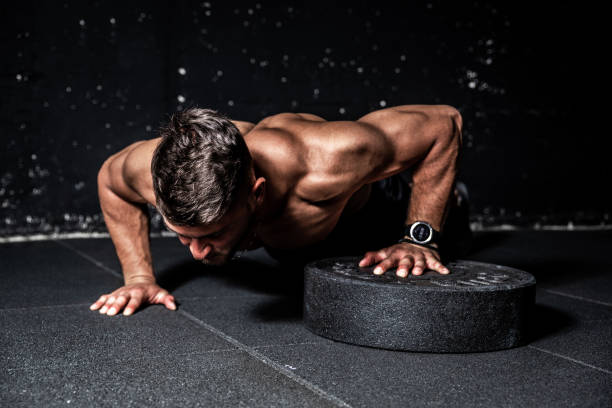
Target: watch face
x,y
421,232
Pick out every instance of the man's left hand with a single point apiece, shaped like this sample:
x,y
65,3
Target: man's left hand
x,y
404,256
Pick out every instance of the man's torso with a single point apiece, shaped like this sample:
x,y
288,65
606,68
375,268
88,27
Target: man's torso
x,y
306,207
318,170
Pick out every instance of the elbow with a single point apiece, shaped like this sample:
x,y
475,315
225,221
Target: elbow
x,y
448,133
457,123
103,178
456,126
457,119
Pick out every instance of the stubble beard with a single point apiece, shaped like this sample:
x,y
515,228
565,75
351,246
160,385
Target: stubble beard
x,y
216,260
220,259
238,250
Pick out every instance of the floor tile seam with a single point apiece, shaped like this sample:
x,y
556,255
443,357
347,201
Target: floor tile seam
x,y
252,352
179,297
90,259
585,299
118,275
310,343
18,309
269,362
127,359
108,269
594,367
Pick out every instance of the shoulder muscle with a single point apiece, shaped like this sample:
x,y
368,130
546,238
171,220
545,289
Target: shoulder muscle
x,y
341,157
410,131
128,172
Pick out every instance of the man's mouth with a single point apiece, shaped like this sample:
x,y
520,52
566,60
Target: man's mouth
x,y
215,259
211,259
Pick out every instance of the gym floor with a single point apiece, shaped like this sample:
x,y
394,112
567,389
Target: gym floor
x,y
237,338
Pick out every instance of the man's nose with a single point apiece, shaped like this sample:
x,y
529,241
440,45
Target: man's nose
x,y
199,249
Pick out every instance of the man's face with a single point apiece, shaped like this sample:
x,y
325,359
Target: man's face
x,y
215,244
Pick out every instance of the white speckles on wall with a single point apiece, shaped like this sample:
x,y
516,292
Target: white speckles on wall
x,y
86,80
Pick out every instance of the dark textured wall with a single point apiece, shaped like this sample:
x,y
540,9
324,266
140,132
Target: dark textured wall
x,y
81,80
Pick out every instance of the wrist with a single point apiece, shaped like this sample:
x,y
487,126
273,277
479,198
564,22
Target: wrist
x,y
140,279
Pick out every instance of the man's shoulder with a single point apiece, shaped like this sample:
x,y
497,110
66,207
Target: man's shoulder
x,y
325,160
281,139
277,153
312,132
285,119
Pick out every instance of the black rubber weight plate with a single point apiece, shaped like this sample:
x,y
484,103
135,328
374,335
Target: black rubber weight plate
x,y
477,307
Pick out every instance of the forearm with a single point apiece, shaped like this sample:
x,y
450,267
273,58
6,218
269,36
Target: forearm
x,y
128,226
433,180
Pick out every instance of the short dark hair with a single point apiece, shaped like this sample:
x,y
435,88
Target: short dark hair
x,y
199,168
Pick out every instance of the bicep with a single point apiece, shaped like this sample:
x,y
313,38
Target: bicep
x,y
410,133
342,156
363,152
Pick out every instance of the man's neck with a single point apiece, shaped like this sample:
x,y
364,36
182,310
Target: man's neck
x,y
271,202
251,238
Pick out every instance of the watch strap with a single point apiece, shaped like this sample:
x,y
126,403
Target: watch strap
x,y
416,243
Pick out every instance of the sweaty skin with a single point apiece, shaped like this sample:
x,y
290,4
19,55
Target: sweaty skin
x,y
306,173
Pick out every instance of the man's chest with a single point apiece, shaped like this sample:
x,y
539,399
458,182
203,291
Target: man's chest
x,y
301,224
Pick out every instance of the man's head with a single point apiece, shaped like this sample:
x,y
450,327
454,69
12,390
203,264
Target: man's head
x,y
203,178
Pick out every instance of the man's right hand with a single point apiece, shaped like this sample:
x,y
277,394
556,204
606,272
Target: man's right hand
x,y
130,297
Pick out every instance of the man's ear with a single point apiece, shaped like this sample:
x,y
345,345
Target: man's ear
x,y
259,189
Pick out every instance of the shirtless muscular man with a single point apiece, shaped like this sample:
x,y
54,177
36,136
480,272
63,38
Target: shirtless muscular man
x,y
283,184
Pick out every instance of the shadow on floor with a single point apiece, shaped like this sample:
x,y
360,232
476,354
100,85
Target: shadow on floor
x,y
563,272
545,322
552,257
286,284
249,275
284,308
483,241
179,275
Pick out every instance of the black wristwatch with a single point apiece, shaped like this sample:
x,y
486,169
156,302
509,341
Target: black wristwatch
x,y
422,233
